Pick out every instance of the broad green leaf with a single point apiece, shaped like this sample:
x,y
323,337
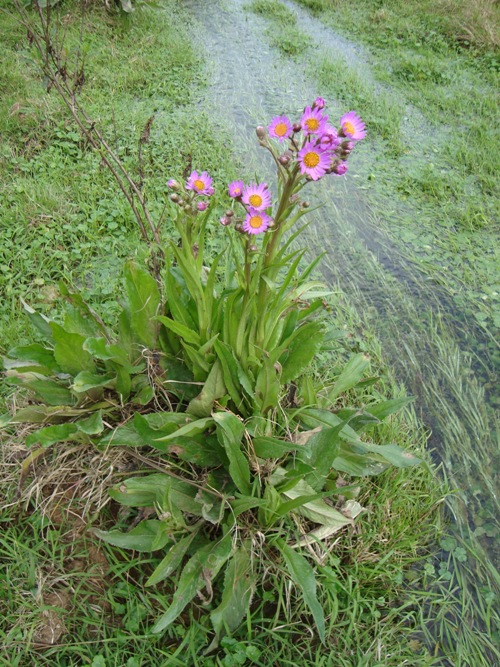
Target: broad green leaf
x,y
36,353
230,370
316,510
267,386
237,592
173,558
86,381
180,329
99,348
52,434
230,433
386,408
37,414
92,425
320,452
148,536
123,436
39,321
123,383
272,448
69,352
302,348
88,320
244,504
202,567
350,376
144,301
150,490
213,389
192,428
302,575
51,392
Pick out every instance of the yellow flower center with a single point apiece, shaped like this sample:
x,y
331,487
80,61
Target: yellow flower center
x,y
281,129
237,191
312,124
255,222
199,185
255,200
348,128
311,160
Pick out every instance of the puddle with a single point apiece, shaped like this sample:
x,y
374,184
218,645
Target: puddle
x,y
439,355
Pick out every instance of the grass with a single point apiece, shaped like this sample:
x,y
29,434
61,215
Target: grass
x,y
71,600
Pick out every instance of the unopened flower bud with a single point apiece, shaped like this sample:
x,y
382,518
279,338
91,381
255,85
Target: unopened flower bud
x,y
180,202
188,208
297,127
175,198
252,248
340,169
261,132
202,206
284,159
225,221
305,204
319,103
173,185
229,213
239,228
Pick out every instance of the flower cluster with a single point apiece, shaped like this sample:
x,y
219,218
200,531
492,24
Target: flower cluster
x,y
195,186
255,199
308,150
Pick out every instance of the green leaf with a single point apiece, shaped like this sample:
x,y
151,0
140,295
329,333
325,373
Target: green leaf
x,y
302,575
272,448
350,376
92,425
52,434
69,352
316,510
386,408
181,330
237,592
202,567
38,354
99,349
192,428
267,386
39,321
213,389
173,558
144,301
302,348
320,452
51,392
147,536
230,370
86,381
230,431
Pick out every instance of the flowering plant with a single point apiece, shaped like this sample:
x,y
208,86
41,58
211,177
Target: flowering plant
x,y
207,367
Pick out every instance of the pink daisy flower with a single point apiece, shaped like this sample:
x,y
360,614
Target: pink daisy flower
x,y
280,128
312,121
236,189
352,126
313,160
199,183
329,140
257,196
256,222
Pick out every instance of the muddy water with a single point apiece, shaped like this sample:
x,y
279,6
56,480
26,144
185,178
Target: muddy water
x,y
425,339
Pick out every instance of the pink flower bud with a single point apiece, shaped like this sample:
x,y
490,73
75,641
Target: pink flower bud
x,y
202,206
261,132
225,221
173,185
319,103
